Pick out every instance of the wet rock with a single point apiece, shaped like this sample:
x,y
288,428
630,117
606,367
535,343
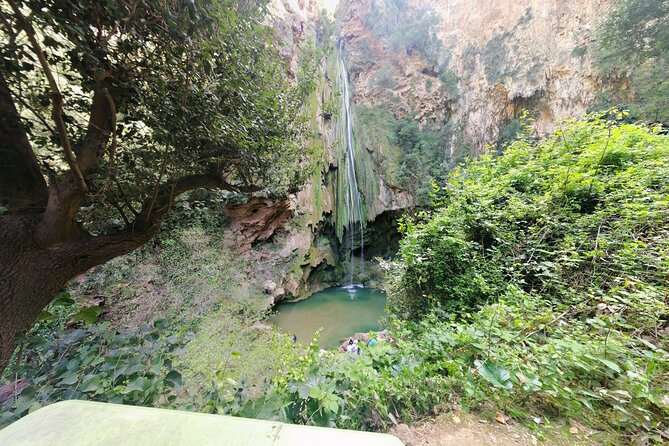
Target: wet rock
x,y
379,336
261,327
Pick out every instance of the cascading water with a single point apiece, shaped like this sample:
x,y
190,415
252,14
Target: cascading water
x,y
355,221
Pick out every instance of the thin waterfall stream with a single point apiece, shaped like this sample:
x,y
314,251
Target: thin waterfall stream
x,y
342,311
355,220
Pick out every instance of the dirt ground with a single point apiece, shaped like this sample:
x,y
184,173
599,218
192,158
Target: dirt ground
x,y
463,429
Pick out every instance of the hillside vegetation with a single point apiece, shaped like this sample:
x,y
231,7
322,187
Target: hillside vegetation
x,y
170,173
534,288
537,285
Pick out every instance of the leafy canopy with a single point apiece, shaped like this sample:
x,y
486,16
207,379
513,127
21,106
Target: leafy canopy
x,y
196,88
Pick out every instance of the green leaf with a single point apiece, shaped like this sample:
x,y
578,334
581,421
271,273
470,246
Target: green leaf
x,y
45,316
138,384
586,402
331,403
88,315
495,375
610,364
174,379
92,385
607,362
69,379
303,390
63,299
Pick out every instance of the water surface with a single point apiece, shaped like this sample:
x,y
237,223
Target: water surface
x,y
340,312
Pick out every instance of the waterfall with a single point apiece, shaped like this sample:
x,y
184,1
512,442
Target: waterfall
x,y
355,220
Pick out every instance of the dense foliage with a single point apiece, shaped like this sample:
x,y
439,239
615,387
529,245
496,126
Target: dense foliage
x,y
537,285
412,157
633,42
408,28
166,326
93,362
423,156
580,216
114,111
198,88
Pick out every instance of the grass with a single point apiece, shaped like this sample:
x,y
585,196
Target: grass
x,y
195,280
233,347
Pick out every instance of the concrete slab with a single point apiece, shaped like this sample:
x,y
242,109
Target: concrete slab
x,y
86,423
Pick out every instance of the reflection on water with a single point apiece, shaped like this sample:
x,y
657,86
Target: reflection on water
x,y
340,312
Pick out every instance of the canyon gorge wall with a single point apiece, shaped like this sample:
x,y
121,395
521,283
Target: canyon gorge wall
x,y
433,81
480,64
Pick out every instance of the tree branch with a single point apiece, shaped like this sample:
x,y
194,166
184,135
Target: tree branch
x,y
39,117
112,109
154,210
120,211
56,98
65,197
101,125
22,186
126,200
163,165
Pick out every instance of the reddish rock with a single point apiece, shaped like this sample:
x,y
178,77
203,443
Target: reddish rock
x,y
257,220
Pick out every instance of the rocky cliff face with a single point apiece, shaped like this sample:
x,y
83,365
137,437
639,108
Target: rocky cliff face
x,y
282,241
494,58
291,246
464,68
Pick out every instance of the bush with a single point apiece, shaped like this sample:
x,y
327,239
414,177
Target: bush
x,y
176,330
535,285
561,216
94,361
523,355
423,157
385,78
449,82
407,28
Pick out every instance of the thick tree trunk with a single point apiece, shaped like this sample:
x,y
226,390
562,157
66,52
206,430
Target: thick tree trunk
x,y
21,183
31,272
42,245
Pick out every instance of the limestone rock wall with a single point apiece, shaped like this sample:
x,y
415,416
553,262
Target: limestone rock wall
x,y
490,60
503,56
282,241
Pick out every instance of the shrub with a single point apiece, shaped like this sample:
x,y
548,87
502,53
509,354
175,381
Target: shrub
x,y
385,78
449,82
557,216
633,42
535,285
94,361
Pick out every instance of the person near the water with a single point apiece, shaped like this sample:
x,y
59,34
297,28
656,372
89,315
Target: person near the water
x,y
294,339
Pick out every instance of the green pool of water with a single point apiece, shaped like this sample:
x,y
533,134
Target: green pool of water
x,y
340,312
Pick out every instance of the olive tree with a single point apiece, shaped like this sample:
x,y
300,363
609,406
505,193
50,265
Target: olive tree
x,y
109,110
